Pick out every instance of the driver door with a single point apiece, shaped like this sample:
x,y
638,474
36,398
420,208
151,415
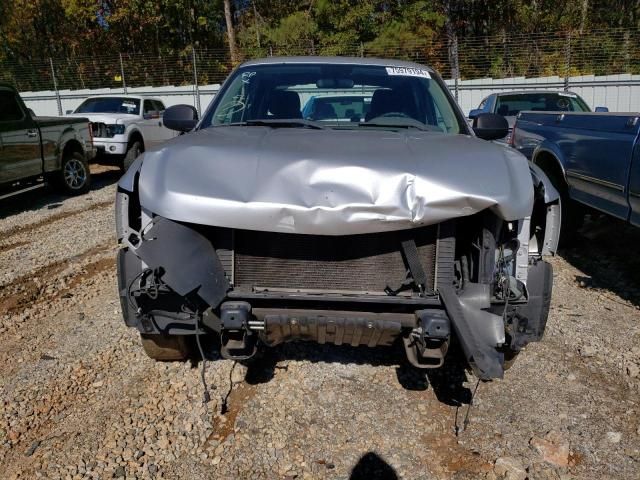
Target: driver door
x,y
20,155
151,123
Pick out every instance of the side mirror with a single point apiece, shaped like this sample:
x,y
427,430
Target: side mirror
x,y
181,118
490,126
601,109
475,112
68,112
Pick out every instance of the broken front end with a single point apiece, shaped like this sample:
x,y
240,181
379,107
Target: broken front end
x,y
478,279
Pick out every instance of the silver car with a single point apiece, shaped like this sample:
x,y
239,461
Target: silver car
x,y
260,226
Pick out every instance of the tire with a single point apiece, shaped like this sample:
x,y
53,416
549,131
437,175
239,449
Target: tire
x,y
74,177
572,213
510,357
572,220
134,150
165,348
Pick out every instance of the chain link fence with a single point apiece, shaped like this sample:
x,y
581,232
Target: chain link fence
x,y
510,55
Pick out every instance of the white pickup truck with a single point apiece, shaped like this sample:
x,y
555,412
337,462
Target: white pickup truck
x,y
124,126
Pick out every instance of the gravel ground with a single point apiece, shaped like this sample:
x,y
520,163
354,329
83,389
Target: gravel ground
x,y
81,400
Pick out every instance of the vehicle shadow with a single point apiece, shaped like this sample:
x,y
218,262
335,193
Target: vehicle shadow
x,y
606,252
447,382
373,467
49,198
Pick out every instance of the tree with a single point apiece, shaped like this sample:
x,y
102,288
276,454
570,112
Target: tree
x,y
231,33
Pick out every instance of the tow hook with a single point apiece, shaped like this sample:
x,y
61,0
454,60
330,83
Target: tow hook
x,y
237,340
427,345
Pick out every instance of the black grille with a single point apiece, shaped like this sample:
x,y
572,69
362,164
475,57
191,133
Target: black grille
x,y
358,263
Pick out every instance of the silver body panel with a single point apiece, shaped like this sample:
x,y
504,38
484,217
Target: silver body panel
x,y
330,182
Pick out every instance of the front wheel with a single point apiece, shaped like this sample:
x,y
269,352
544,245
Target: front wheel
x,y
165,347
134,150
571,212
74,177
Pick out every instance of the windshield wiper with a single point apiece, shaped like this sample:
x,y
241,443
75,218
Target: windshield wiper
x,y
279,123
425,128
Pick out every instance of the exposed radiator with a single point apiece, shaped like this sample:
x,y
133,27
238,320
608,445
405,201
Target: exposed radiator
x,y
355,263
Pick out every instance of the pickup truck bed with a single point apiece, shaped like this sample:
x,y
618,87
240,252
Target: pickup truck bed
x,y
593,158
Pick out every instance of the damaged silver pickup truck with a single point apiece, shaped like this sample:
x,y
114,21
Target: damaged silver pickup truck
x,y
371,220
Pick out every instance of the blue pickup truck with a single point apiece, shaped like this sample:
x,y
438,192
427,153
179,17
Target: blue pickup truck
x,y
593,159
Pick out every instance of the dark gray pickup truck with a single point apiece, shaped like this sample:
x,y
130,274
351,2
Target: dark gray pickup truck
x,y
39,150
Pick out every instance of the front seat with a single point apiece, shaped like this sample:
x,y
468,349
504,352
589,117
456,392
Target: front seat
x,y
284,104
387,101
325,111
383,101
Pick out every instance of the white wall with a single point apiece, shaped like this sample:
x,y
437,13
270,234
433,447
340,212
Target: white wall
x,y
620,93
44,103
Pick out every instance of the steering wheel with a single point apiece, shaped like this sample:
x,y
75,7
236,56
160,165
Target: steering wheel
x,y
394,114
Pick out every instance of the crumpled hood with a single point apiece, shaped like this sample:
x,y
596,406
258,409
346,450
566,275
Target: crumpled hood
x,y
330,182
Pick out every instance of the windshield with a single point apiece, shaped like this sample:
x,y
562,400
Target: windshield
x,y
511,105
335,96
110,105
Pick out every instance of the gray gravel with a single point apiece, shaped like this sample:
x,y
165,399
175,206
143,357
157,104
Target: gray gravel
x,y
80,399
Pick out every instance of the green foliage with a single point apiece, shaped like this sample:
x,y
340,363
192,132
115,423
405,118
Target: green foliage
x,y
495,38
295,29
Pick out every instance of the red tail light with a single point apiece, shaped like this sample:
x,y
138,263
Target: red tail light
x,y
90,127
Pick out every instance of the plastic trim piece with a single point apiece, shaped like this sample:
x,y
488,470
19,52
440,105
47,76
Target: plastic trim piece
x,y
478,335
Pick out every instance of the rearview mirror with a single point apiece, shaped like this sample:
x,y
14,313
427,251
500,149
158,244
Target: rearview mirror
x,y
601,109
490,126
181,118
334,83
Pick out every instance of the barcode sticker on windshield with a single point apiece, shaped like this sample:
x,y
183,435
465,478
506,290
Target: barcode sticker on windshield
x,y
129,104
408,72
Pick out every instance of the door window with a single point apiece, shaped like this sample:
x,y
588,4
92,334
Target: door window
x,y
159,106
148,107
10,110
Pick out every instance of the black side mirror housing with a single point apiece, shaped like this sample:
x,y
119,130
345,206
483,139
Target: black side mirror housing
x,y
490,126
181,118
475,112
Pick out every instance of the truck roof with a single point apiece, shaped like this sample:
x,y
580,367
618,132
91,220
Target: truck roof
x,y
132,97
384,62
528,92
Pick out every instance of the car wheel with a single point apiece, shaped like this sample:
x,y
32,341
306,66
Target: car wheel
x,y
510,357
165,347
74,177
134,150
572,213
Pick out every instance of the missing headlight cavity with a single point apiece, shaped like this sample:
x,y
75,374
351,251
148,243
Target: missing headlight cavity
x,y
128,210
